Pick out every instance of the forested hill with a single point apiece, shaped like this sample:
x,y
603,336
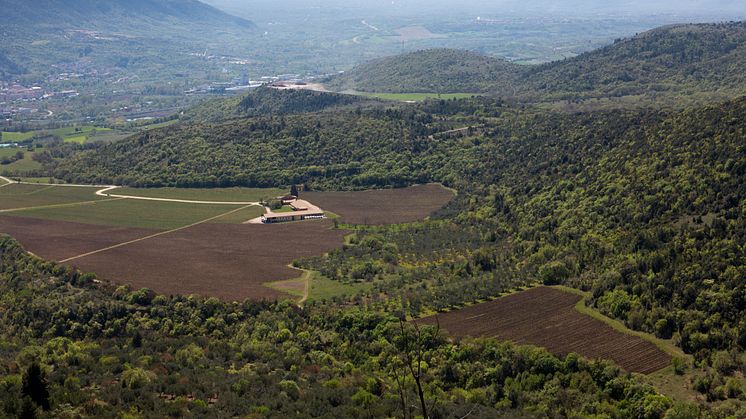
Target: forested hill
x,y
434,70
271,101
682,59
119,13
674,60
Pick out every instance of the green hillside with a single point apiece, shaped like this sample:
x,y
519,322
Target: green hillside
x,y
429,71
682,59
270,101
670,61
642,208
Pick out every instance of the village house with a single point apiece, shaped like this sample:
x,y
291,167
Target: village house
x,y
300,210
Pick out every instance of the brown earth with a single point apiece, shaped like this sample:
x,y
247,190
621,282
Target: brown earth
x,y
383,206
546,317
58,240
228,261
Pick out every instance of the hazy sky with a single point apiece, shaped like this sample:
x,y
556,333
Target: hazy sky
x,y
565,7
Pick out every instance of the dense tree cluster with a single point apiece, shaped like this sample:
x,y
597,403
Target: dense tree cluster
x,y
72,347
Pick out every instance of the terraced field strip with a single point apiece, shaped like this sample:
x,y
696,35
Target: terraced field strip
x,y
547,317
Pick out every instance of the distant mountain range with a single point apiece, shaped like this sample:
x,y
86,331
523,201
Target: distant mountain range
x,y
681,58
145,36
94,13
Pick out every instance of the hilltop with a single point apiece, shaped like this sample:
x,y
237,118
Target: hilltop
x,y
429,71
270,101
679,58
673,60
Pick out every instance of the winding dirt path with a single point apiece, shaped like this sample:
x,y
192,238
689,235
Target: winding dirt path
x,y
104,190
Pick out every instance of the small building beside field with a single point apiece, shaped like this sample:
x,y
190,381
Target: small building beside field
x,y
301,210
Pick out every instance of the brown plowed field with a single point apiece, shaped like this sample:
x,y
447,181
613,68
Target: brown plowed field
x,y
228,261
547,317
383,206
57,240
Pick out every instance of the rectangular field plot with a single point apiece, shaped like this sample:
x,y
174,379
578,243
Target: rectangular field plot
x,y
24,196
547,317
131,213
228,261
194,194
58,240
383,206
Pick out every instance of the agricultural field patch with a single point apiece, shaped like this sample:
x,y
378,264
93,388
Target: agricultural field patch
x,y
547,317
416,33
76,134
228,261
58,240
383,206
17,196
25,164
197,194
130,213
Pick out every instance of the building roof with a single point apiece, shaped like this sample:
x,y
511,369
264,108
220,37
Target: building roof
x,y
301,208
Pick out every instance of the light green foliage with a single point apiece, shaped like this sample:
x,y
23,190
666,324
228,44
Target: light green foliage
x,y
134,378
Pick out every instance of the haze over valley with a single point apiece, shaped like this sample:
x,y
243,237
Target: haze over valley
x,y
373,209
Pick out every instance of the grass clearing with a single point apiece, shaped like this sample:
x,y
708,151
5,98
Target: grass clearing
x,y
24,196
323,288
130,213
25,164
241,216
320,288
39,180
416,97
202,194
73,134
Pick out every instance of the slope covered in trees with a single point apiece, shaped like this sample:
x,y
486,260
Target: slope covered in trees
x,y
72,348
679,59
433,71
675,60
643,208
271,101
